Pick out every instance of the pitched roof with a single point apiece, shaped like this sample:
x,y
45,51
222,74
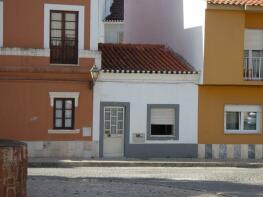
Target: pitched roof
x,y
141,58
117,11
237,2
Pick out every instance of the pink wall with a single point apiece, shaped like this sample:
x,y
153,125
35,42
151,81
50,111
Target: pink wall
x,y
178,24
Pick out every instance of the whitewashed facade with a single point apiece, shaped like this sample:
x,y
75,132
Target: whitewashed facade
x,y
137,91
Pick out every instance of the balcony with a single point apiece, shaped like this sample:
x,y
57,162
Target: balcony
x,y
253,68
63,51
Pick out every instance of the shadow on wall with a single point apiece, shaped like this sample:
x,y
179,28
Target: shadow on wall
x,y
115,185
178,24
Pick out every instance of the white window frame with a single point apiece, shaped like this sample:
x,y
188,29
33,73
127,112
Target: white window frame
x,y
54,95
123,121
1,23
241,109
81,23
75,96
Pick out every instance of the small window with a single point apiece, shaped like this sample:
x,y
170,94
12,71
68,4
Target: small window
x,y
163,122
242,119
64,110
120,37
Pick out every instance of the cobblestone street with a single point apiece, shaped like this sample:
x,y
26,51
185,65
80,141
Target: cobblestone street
x,y
144,181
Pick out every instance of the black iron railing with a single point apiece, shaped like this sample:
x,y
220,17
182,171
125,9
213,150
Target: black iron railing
x,y
63,51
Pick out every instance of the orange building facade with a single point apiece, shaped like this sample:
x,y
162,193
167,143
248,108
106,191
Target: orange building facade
x,y
47,52
230,101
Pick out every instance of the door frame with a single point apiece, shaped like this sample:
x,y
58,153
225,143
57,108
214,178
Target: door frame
x,y
126,106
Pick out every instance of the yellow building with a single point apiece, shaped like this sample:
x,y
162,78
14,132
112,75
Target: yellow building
x,y
231,95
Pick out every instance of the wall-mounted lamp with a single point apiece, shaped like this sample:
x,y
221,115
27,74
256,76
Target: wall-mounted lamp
x,y
95,71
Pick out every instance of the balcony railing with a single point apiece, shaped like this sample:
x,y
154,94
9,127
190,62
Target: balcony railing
x,y
63,51
253,68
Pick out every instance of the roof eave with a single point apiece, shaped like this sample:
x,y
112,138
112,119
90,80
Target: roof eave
x,y
148,78
150,72
211,6
113,21
255,8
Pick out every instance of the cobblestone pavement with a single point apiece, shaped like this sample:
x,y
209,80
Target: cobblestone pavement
x,y
144,181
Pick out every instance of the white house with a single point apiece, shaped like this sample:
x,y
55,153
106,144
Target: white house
x,y
145,103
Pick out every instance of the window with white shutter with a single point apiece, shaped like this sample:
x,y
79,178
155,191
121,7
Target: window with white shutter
x,y
163,122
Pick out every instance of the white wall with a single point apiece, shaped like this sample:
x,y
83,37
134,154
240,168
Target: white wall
x,y
96,24
176,23
139,95
111,32
1,23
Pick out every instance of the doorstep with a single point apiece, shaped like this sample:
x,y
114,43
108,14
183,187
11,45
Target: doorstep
x,y
69,163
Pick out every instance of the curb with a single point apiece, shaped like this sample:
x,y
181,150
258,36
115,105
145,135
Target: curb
x,y
141,164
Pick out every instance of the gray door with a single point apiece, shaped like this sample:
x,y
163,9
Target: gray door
x,y
113,131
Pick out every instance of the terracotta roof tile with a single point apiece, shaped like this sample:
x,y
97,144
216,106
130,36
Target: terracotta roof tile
x,y
237,2
142,58
117,11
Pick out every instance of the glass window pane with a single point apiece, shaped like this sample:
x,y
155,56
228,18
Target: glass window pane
x,y
56,16
107,115
70,17
107,109
56,42
114,112
56,25
107,132
59,104
250,121
161,129
114,120
246,53
58,113
119,131
68,123
69,104
232,120
256,60
256,53
246,63
113,129
56,33
70,34
68,113
107,125
120,125
120,115
71,25
58,123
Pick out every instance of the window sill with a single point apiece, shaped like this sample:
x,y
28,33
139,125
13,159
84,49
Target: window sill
x,y
242,133
54,131
162,138
65,65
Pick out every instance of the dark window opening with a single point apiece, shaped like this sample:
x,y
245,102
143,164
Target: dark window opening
x,y
63,37
161,129
64,111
